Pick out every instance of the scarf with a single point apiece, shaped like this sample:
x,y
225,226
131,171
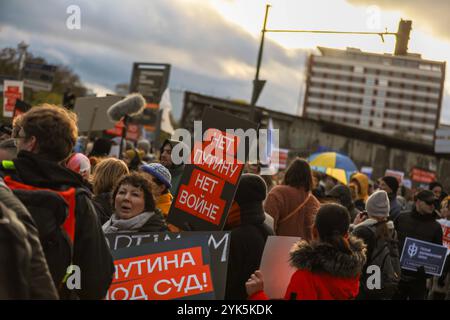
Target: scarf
x,y
163,203
116,225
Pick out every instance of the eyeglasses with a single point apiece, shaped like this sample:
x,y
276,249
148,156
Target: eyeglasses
x,y
17,138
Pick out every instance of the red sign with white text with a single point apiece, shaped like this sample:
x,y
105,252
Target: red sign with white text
x,y
422,176
210,180
161,276
12,90
133,132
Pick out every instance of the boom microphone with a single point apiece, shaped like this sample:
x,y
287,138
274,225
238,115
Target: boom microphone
x,y
131,105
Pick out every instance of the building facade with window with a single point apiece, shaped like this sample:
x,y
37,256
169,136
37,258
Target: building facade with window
x,y
388,94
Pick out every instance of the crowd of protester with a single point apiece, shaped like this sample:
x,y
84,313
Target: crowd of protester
x,y
344,229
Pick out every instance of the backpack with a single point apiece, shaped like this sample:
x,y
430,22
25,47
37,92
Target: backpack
x,y
54,214
385,255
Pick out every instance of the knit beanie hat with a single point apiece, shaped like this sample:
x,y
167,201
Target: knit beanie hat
x,y
392,183
159,172
378,204
251,188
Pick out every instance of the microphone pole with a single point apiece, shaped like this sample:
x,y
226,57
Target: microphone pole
x,y
126,120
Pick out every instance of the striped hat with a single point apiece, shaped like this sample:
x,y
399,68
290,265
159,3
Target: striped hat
x,y
159,172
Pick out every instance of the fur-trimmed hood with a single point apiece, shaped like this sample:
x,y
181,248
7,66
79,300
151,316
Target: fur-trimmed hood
x,y
320,257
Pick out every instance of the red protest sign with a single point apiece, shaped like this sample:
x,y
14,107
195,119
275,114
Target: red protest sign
x,y
210,180
12,90
422,176
163,271
222,163
133,131
201,197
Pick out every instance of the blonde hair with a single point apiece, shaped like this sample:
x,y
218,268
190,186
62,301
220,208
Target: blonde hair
x,y
106,174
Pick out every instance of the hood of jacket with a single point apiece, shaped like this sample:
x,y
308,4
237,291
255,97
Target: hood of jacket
x,y
321,257
248,213
343,194
363,182
37,171
172,143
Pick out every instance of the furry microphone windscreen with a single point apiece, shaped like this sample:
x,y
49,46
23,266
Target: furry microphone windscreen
x,y
131,105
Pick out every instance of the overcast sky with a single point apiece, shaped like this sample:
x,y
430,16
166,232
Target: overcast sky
x,y
212,45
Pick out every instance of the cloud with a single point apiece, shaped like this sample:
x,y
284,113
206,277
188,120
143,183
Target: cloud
x,y
98,89
207,53
429,15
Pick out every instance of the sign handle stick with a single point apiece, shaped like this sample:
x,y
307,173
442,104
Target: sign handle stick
x,y
158,129
91,125
126,119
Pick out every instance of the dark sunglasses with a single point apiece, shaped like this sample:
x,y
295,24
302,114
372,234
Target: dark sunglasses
x,y
429,202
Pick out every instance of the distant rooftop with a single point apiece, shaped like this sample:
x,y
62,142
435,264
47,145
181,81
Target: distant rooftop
x,y
356,52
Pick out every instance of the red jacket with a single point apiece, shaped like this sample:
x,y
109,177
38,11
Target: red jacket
x,y
324,273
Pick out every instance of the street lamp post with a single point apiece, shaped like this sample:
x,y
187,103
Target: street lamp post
x,y
22,58
259,84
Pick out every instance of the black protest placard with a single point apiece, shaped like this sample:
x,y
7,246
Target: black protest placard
x,y
177,269
150,80
209,182
218,243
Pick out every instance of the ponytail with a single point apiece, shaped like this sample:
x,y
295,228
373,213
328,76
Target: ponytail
x,y
339,242
332,223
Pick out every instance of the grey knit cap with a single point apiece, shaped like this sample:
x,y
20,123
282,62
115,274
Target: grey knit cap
x,y
378,204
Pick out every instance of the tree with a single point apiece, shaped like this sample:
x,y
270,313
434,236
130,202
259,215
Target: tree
x,y
65,78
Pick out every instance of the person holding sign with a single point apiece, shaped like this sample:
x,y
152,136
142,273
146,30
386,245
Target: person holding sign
x,y
135,209
248,234
418,224
161,178
328,268
176,171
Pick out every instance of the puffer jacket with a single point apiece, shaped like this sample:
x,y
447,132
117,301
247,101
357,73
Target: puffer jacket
x,y
324,272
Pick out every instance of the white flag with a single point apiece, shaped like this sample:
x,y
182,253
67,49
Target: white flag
x,y
166,107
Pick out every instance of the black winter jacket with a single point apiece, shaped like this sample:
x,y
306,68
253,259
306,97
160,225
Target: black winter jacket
x,y
103,205
246,249
90,250
418,226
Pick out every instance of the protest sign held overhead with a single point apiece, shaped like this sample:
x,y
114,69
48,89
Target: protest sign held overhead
x,y
177,269
150,80
91,112
399,175
209,182
12,91
218,242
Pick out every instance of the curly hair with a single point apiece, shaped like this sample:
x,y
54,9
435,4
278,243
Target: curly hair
x,y
55,130
142,181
